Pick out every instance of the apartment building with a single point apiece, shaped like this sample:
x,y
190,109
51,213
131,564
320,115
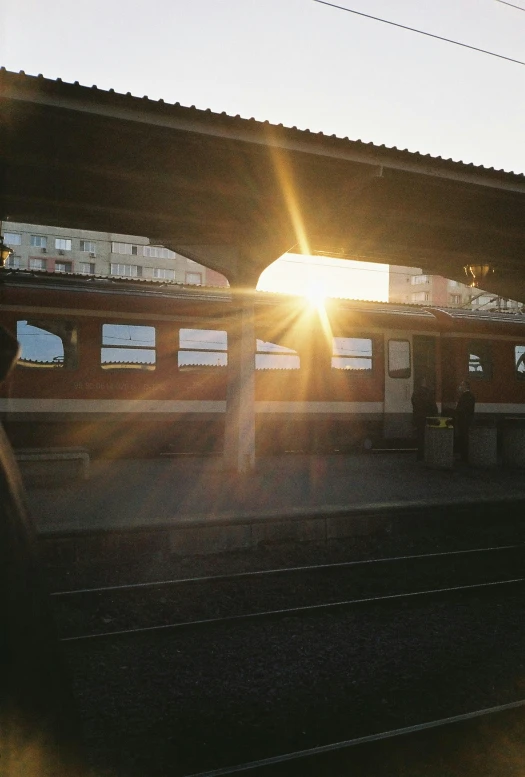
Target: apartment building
x,y
55,249
411,285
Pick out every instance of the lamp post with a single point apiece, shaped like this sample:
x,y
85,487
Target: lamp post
x,y
5,252
476,273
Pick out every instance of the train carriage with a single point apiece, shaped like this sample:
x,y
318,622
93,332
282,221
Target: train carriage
x,y
141,368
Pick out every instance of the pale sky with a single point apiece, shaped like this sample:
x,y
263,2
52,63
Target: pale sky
x,y
299,63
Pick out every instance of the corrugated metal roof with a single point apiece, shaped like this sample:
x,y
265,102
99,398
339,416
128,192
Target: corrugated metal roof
x,y
376,152
138,285
482,315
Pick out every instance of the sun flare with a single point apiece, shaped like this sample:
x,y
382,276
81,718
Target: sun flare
x,y
314,277
316,297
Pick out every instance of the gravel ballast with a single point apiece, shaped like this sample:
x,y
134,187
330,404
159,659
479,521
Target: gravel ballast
x,y
185,702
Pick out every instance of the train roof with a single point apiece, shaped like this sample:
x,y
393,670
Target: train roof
x,y
462,314
73,282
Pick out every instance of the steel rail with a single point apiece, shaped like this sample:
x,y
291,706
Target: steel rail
x,y
279,571
309,608
348,743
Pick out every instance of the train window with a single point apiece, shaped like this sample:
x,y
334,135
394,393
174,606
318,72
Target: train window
x,y
127,347
47,344
202,348
519,360
399,365
479,360
352,353
271,356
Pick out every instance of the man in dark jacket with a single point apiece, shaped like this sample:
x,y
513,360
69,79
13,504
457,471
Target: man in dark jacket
x,y
423,406
464,415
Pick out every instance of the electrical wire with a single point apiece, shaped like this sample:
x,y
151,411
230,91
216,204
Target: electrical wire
x,y
504,2
422,32
346,269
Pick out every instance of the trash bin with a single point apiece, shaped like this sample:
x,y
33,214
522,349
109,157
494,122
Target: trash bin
x,y
513,441
483,443
439,443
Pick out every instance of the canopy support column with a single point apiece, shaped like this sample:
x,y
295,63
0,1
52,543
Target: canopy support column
x,y
239,435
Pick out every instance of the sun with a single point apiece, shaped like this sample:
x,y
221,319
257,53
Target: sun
x,y
316,296
315,277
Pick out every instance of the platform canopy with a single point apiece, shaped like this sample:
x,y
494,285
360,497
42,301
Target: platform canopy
x,y
235,194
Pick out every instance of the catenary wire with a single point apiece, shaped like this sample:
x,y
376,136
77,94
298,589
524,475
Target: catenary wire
x,y
346,269
504,2
421,32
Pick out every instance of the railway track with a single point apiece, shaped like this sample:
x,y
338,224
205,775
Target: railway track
x,y
316,760
129,610
300,687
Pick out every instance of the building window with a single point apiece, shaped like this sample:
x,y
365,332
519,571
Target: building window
x,y
519,361
417,279
126,248
201,348
455,299
352,353
87,268
128,347
420,296
159,252
87,246
271,356
12,238
399,365
63,266
479,360
163,274
36,263
194,279
63,244
47,344
38,241
126,270
13,263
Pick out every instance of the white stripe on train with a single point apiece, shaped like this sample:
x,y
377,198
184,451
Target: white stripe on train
x,y
12,405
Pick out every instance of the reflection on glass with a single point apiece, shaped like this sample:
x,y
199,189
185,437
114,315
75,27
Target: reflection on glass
x,y
271,356
479,359
352,353
127,347
47,344
201,348
519,360
399,358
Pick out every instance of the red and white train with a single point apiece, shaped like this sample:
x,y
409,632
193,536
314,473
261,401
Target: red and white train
x,y
128,368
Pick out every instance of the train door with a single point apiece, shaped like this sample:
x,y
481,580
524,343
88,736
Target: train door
x,y
398,384
424,351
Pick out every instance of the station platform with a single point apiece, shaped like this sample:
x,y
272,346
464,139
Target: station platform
x,y
286,497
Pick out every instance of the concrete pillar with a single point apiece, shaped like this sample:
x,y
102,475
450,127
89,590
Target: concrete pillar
x,y
239,435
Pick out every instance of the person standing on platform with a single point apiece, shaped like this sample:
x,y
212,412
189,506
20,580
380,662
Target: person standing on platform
x,y
464,415
423,406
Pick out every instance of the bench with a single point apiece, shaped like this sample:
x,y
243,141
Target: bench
x,y
56,454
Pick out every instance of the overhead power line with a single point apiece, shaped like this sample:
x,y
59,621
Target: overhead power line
x,y
422,32
298,263
504,2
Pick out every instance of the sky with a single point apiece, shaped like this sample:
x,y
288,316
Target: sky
x,y
300,63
